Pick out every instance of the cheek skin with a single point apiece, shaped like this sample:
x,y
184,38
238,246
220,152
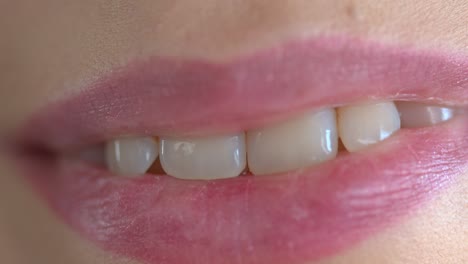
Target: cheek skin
x,y
26,222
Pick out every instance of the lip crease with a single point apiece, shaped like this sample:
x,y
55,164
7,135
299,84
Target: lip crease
x,y
295,217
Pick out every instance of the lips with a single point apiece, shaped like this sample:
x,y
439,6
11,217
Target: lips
x,y
290,218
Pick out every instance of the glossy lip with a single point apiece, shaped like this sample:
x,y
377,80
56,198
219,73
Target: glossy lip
x,y
167,96
293,218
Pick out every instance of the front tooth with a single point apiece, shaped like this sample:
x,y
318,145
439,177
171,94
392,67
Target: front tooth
x,y
420,115
203,158
301,142
362,125
131,156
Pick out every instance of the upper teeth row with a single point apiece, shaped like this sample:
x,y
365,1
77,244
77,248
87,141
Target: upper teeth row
x,y
299,142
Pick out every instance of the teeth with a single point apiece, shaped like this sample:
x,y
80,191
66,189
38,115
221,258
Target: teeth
x,y
301,142
420,115
304,141
131,156
203,158
363,125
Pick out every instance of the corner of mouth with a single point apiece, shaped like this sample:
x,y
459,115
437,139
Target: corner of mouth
x,y
164,96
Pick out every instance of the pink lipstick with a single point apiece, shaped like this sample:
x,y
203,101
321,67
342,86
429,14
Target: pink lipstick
x,y
289,218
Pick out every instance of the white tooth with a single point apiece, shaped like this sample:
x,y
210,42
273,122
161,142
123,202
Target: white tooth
x,y
203,158
131,156
362,125
421,115
297,143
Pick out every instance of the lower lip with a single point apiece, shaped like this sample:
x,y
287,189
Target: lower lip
x,y
293,218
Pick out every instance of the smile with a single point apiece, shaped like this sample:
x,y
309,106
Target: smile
x,y
297,143
282,156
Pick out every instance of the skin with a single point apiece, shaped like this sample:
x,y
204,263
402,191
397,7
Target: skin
x,y
51,49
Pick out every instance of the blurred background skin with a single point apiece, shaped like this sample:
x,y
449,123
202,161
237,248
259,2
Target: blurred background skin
x,y
51,48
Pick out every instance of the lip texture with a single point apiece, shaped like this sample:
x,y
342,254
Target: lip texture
x,y
292,218
167,96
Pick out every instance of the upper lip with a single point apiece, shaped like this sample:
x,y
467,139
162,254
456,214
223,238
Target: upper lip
x,y
152,218
163,96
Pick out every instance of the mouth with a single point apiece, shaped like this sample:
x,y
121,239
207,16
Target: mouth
x,y
240,161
